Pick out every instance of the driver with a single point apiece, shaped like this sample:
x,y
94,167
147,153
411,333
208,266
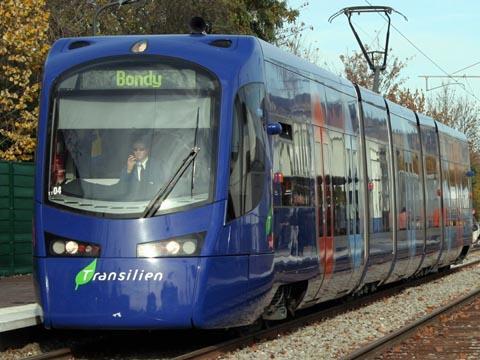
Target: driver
x,y
142,177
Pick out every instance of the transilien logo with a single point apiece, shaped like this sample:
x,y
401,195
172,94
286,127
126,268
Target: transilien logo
x,y
85,275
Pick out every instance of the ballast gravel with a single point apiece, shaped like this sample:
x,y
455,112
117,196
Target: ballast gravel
x,y
337,337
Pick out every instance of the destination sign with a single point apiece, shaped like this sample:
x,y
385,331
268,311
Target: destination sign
x,y
148,79
155,77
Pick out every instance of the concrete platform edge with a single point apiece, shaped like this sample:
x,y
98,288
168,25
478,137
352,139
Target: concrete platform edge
x,y
17,317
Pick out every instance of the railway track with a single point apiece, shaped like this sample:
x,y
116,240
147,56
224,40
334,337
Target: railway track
x,y
308,316
328,312
376,348
60,354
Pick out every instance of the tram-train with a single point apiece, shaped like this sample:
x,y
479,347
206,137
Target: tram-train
x,y
276,185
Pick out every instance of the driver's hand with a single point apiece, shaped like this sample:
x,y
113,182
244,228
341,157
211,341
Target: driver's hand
x,y
131,161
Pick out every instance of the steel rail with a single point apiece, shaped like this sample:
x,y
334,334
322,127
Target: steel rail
x,y
59,354
330,312
386,342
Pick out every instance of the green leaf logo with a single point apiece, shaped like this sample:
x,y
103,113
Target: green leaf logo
x,y
85,275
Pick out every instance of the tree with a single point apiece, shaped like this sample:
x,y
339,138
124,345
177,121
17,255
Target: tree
x,y
74,17
457,112
23,30
291,38
263,18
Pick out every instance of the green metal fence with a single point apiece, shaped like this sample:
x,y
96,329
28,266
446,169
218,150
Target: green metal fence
x,y
16,211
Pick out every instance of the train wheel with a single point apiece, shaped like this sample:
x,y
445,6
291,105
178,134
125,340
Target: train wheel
x,y
241,331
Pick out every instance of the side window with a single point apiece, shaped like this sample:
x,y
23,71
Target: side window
x,y
378,186
432,176
293,183
338,183
247,156
284,166
320,178
335,110
432,190
409,194
378,159
354,198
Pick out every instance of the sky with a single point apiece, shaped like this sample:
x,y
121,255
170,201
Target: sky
x,y
448,32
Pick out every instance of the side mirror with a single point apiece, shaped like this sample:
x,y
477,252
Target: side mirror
x,y
274,128
198,26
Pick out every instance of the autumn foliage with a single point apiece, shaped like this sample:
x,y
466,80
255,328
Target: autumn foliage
x,y
23,48
262,18
28,27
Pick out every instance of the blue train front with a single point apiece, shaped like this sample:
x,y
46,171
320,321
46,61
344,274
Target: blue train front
x,y
118,247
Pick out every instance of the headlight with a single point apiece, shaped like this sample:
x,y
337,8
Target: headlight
x,y
189,245
59,246
173,247
71,247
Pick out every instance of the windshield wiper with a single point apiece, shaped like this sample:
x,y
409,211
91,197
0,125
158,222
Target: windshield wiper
x,y
192,184
163,193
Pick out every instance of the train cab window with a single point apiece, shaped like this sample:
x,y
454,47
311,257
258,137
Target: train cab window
x,y
120,129
247,156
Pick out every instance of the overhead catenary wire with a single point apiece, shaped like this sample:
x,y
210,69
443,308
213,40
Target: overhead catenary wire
x,y
428,57
368,35
467,67
372,39
377,38
465,77
469,84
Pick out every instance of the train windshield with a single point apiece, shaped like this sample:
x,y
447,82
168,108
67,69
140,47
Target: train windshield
x,y
122,129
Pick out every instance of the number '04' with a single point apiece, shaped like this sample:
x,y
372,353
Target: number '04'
x,y
56,190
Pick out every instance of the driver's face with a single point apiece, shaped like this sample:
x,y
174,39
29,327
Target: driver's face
x,y
140,151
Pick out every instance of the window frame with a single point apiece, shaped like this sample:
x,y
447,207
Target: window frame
x,y
52,123
237,205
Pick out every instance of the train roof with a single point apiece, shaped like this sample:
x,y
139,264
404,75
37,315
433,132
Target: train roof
x,y
401,111
209,51
371,97
442,128
296,64
426,120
